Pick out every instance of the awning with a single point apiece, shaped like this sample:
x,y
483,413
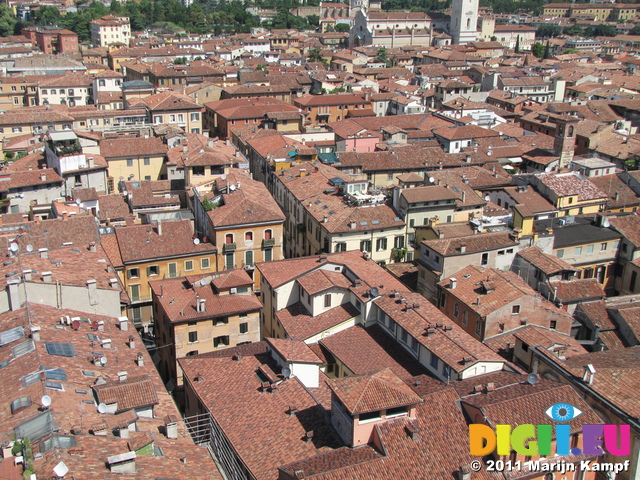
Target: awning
x,y
63,135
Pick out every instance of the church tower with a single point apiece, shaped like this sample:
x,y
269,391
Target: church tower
x,y
464,21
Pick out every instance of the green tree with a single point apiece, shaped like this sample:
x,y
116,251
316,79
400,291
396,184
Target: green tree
x,y
573,31
47,15
314,55
313,20
343,27
600,31
517,49
570,50
381,57
547,51
548,31
180,60
537,49
635,30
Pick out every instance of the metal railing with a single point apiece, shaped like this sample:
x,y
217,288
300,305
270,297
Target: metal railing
x,y
229,247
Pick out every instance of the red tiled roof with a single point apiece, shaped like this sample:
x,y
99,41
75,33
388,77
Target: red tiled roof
x,y
299,324
578,290
474,243
134,392
114,148
629,226
369,393
295,351
548,264
142,242
368,350
229,386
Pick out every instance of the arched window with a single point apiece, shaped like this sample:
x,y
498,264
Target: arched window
x,y
248,236
228,238
570,130
268,234
468,23
248,257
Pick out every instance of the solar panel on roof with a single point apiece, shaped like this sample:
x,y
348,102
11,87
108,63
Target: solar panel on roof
x,y
375,222
54,385
23,348
397,219
317,202
364,224
60,349
11,335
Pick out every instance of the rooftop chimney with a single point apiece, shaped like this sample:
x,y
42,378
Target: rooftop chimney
x,y
412,432
46,277
122,376
43,177
44,252
452,283
201,305
464,473
463,248
140,359
123,463
124,323
93,247
171,426
589,374
308,436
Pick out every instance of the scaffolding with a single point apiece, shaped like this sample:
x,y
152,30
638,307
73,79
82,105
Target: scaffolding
x,y
206,432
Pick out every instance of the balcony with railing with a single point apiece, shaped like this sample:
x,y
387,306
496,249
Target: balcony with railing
x,y
229,247
268,242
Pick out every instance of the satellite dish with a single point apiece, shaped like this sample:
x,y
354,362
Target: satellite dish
x,y
45,401
103,361
78,202
431,179
14,247
60,469
232,187
29,248
374,292
487,198
196,241
203,282
223,177
102,408
286,372
532,379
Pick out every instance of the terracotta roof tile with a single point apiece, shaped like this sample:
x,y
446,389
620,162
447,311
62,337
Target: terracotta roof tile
x,y
134,392
295,351
142,242
369,350
265,415
474,243
578,290
548,264
299,324
250,203
368,393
